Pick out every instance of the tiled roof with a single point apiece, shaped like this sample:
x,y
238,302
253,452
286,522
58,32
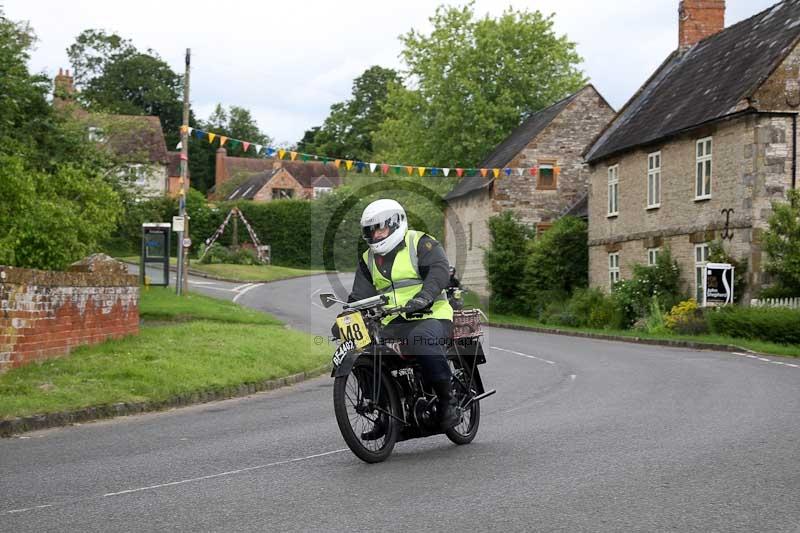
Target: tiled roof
x,y
705,82
306,172
131,137
248,189
247,165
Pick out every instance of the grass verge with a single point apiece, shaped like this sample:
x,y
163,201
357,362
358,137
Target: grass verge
x,y
219,347
754,345
244,273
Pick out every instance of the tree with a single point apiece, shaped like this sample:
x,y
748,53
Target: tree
x,y
349,128
505,262
557,262
782,244
55,203
471,82
114,77
236,123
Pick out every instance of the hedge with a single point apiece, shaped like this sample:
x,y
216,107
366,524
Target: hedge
x,y
769,324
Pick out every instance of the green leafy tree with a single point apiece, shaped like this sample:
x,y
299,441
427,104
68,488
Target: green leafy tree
x,y
660,283
470,82
505,263
557,262
782,244
56,203
113,76
350,126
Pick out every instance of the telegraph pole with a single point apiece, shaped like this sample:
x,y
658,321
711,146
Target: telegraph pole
x,y
182,283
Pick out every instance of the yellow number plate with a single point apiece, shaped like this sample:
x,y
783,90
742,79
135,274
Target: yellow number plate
x,y
352,327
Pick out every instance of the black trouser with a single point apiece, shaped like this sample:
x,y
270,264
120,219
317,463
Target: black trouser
x,y
426,340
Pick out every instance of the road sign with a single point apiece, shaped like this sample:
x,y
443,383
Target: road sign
x,y
177,223
187,242
718,284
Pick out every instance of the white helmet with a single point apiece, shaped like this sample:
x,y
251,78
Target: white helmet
x,y
383,214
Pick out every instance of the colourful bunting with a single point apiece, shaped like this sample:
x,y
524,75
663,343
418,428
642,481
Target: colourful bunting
x,y
534,171
508,171
483,172
245,146
421,171
258,148
293,155
348,164
211,137
372,167
410,170
495,172
398,169
446,172
459,172
304,157
384,168
222,140
337,162
281,153
556,171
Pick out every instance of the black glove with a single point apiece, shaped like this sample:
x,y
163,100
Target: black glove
x,y
418,303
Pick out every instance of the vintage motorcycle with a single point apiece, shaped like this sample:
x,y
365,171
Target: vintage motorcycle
x,y
376,385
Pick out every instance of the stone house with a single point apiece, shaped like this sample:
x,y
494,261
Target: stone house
x,y
552,140
702,150
288,179
136,141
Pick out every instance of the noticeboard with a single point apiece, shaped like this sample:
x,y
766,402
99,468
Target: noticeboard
x,y
155,254
718,284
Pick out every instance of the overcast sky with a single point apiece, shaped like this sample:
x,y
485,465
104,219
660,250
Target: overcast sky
x,y
288,62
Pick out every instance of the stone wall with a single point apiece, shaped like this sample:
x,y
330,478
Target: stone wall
x,y
751,169
561,143
281,180
46,314
470,211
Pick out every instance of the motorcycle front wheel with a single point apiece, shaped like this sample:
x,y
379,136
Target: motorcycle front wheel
x,y
365,402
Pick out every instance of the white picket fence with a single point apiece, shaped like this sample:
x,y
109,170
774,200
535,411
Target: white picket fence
x,y
791,303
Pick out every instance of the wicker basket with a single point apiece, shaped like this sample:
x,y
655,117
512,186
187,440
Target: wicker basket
x,y
466,324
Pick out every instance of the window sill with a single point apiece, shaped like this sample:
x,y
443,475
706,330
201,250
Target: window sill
x,y
612,215
652,207
702,198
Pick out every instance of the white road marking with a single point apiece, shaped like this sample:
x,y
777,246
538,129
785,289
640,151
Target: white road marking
x,y
777,362
763,359
523,355
193,282
222,474
240,287
572,377
740,353
245,291
183,481
791,365
752,356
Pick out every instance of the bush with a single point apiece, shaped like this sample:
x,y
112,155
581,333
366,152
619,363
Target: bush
x,y
769,324
661,281
505,263
593,308
686,318
558,260
782,243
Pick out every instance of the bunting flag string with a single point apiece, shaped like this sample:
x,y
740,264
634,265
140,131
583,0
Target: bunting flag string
x,y
361,166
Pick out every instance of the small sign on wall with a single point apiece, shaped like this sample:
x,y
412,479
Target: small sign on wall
x,y
177,224
718,284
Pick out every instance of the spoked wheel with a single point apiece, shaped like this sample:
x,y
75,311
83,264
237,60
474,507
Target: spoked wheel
x,y
363,402
466,430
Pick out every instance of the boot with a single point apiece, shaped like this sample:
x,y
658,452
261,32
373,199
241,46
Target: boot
x,y
447,406
378,429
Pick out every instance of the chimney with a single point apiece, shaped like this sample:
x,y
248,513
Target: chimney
x,y
220,172
63,88
699,19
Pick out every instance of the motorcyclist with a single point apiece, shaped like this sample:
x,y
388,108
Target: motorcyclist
x,y
411,269
453,283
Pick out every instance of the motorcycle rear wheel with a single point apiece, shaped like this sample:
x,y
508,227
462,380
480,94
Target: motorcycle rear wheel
x,y
357,413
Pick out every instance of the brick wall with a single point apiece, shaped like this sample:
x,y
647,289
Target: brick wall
x,y
281,180
699,19
46,314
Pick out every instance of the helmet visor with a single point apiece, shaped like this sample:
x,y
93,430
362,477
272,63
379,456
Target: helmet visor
x,y
375,233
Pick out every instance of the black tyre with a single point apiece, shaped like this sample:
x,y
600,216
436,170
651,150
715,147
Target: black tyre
x,y
358,413
465,431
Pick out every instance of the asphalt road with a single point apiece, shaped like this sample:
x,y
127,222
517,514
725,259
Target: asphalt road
x,y
583,435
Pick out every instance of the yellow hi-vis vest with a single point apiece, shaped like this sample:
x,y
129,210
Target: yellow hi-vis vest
x,y
406,280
